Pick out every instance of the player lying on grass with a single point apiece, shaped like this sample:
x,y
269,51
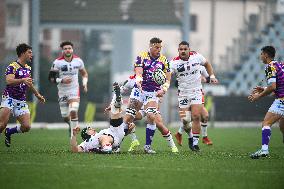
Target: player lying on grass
x,y
128,86
106,140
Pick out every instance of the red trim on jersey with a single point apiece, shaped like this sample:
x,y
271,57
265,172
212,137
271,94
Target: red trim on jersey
x,y
176,58
61,57
192,53
132,76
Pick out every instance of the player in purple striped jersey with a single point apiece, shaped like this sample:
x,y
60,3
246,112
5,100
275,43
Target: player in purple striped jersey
x,y
146,91
18,79
274,72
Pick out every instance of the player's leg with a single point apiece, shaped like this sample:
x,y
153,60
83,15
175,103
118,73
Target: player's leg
x,y
73,106
4,118
268,121
166,133
151,109
22,113
135,142
281,126
135,104
204,124
64,110
185,116
196,119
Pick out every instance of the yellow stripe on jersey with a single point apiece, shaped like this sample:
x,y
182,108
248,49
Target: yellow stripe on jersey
x,y
165,61
15,66
144,55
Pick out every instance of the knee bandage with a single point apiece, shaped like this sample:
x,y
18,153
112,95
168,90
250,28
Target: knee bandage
x,y
152,110
74,106
131,111
185,116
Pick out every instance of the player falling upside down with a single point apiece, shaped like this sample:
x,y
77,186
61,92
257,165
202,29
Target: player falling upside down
x,y
274,72
129,85
187,67
18,79
107,140
146,92
64,72
204,119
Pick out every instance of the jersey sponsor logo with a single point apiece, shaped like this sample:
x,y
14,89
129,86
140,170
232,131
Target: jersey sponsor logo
x,y
181,68
64,68
183,102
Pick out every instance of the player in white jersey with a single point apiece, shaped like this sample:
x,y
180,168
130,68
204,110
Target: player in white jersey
x,y
64,72
204,118
107,140
127,86
187,67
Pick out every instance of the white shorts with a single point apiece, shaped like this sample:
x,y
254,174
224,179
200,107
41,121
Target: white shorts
x,y
144,96
184,101
17,107
64,97
118,135
277,107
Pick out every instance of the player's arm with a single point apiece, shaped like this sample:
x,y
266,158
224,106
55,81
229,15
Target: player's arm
x,y
210,71
37,94
84,75
10,80
73,141
266,91
53,76
139,72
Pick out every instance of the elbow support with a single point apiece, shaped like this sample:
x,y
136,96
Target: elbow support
x,y
53,77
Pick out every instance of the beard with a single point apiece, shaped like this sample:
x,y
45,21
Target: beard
x,y
68,55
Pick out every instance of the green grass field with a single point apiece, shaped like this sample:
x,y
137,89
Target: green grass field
x,y
41,159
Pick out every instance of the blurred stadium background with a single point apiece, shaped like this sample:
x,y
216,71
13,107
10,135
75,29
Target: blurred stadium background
x,y
108,35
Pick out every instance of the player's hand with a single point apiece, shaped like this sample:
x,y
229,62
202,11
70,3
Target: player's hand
x,y
28,81
253,97
139,80
214,80
257,89
40,98
131,126
67,80
76,130
160,93
107,109
85,88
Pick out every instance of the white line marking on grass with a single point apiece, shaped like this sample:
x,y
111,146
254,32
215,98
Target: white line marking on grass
x,y
176,169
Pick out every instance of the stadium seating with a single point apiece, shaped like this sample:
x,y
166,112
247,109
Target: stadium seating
x,y
248,69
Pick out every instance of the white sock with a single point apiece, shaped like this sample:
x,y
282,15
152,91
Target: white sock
x,y
181,129
73,124
170,140
204,129
133,136
19,129
195,139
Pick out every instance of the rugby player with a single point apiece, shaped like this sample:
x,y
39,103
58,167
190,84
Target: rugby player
x,y
187,67
19,80
64,72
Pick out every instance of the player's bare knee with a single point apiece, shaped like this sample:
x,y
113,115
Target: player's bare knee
x,y
25,127
3,125
204,119
195,117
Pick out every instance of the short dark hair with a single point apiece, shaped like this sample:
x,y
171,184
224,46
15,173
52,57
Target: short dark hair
x,y
269,50
183,43
155,40
22,48
66,43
